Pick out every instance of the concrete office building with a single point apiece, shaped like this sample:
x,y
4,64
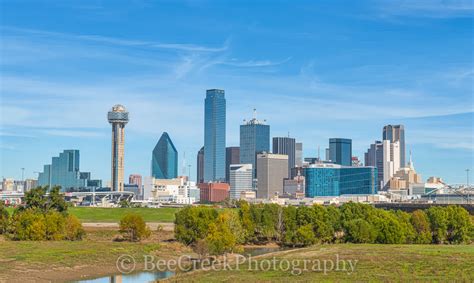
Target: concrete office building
x,y
232,156
214,135
340,151
286,146
272,169
135,179
391,160
118,117
254,139
240,179
394,133
299,154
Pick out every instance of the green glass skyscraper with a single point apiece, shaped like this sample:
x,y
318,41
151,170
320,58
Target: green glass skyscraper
x,y
164,164
214,135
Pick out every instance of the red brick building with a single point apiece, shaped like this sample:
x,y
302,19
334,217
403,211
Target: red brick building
x,y
214,192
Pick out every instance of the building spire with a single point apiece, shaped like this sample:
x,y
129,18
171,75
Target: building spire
x,y
410,163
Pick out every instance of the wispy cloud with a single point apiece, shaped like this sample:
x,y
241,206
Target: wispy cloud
x,y
122,42
426,8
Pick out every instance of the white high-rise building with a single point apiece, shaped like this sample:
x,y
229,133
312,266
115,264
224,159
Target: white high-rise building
x,y
391,160
240,179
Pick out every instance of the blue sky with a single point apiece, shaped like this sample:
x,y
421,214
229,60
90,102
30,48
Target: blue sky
x,y
316,70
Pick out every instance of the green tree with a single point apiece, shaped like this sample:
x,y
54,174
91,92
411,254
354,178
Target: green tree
x,y
389,229
4,218
407,228
438,223
421,225
246,219
220,238
192,223
289,225
56,200
360,231
134,228
36,199
458,224
304,236
323,231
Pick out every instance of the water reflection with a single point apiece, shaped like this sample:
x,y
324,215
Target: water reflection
x,y
132,278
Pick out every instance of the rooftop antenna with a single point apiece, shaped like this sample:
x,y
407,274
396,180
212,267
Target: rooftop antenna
x,y
255,114
288,133
319,154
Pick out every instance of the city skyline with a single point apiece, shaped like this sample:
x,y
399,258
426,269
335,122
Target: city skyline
x,y
338,89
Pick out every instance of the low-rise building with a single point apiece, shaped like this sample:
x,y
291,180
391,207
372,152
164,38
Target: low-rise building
x,y
213,192
335,180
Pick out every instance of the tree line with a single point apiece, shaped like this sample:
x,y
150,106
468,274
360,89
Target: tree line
x,y
41,218
214,231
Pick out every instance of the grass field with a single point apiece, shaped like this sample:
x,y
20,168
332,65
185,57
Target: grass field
x,y
98,214
375,263
59,261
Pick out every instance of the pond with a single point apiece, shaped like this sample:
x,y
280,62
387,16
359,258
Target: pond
x,y
147,276
144,276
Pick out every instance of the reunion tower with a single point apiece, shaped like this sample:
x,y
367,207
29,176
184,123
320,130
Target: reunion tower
x,y
118,117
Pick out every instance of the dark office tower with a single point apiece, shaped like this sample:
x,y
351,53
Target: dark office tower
x,y
340,151
232,156
164,164
395,133
374,157
286,146
200,166
214,135
254,139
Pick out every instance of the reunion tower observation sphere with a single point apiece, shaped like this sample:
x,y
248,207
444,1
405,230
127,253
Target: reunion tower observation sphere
x,y
118,117
118,114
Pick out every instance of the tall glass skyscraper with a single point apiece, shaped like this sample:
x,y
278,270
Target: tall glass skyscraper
x,y
254,139
395,133
164,162
214,135
64,172
340,151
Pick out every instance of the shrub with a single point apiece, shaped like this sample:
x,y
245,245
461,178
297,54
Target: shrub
x,y
55,224
28,225
74,230
134,228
